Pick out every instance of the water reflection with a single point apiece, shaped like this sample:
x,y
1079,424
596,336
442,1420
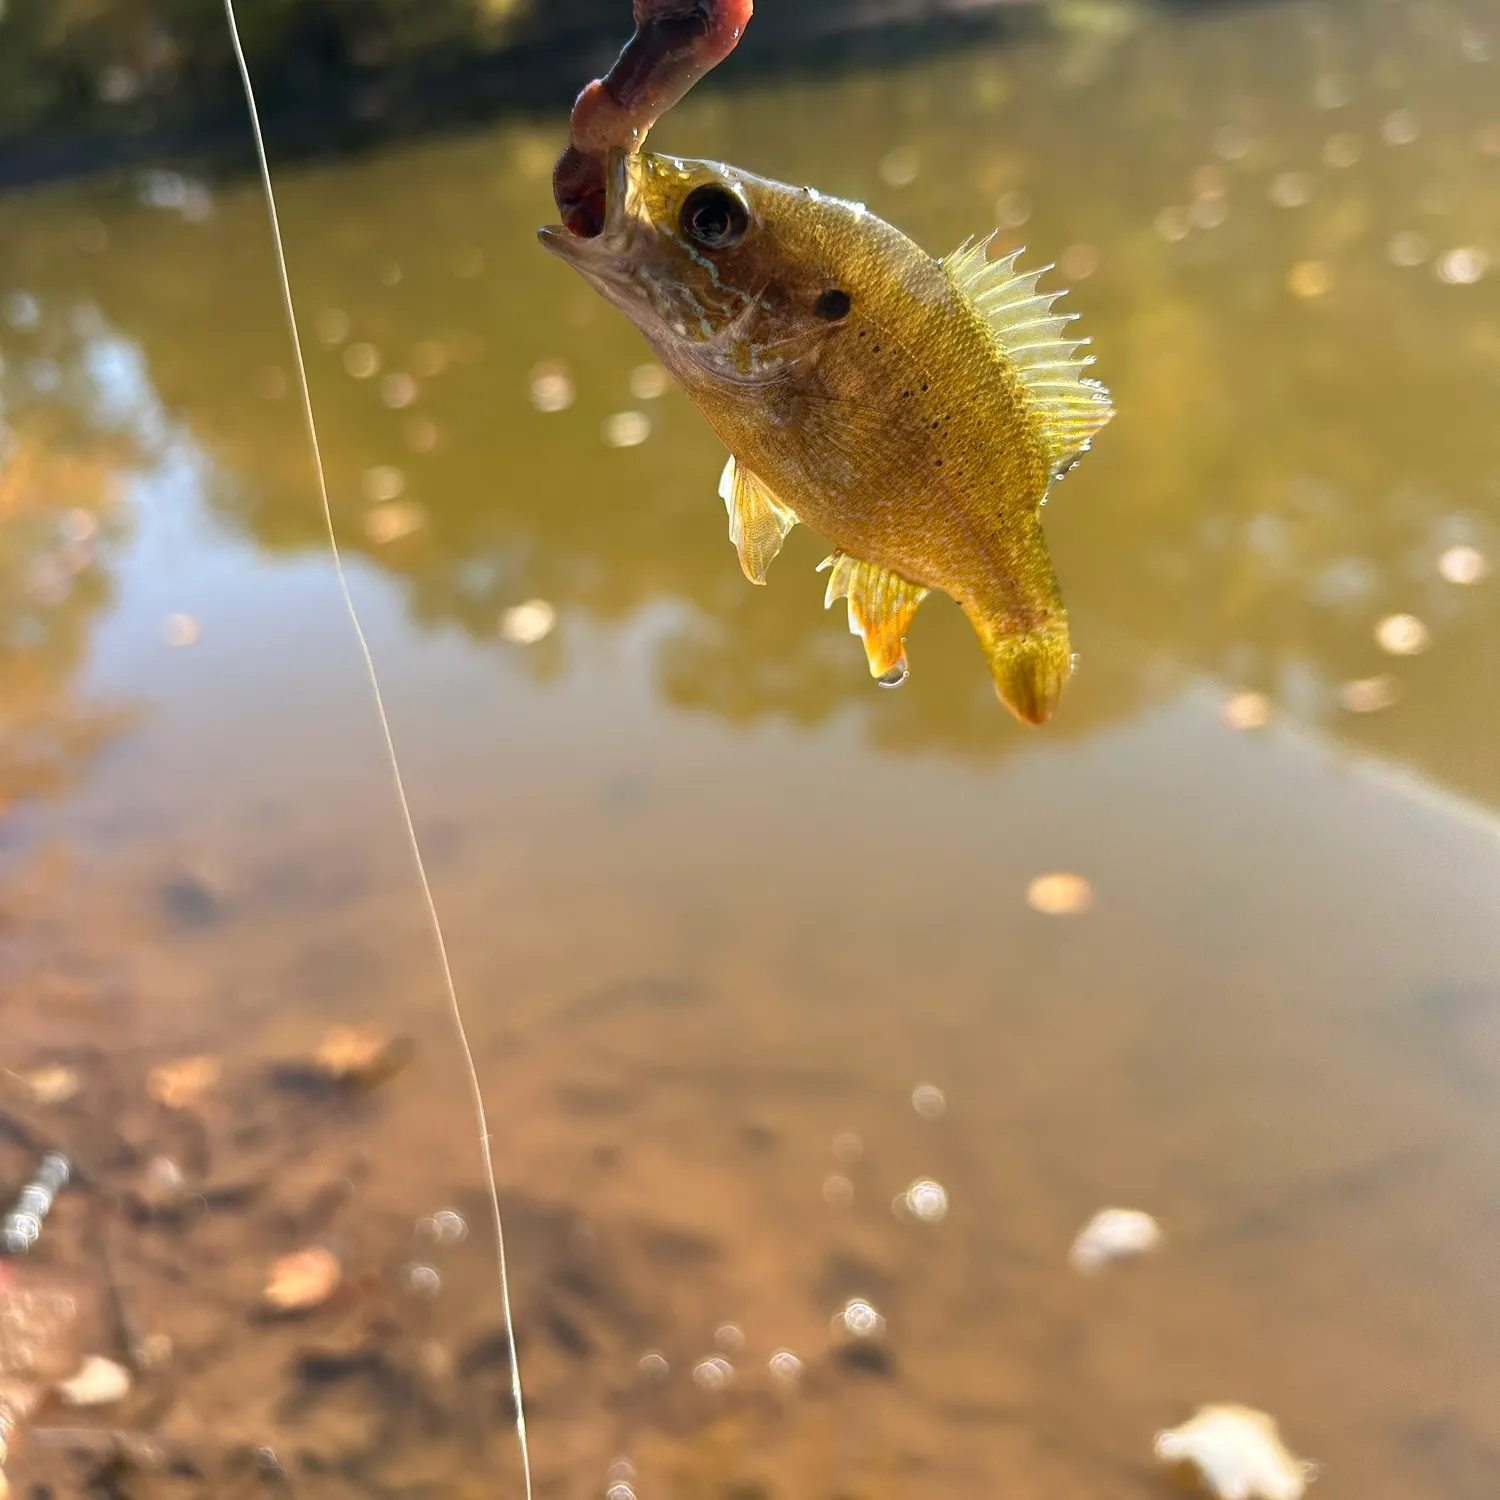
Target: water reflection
x,y
71,434
1283,258
735,995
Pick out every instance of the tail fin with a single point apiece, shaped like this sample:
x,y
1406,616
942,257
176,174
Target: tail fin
x,y
1029,667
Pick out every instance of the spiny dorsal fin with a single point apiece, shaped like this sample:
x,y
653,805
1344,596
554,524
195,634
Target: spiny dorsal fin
x,y
758,521
881,606
1070,407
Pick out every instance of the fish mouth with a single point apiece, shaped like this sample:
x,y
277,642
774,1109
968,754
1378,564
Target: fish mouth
x,y
623,175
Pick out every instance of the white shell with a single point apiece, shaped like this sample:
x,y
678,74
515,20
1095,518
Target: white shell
x,y
1238,1454
99,1382
1113,1234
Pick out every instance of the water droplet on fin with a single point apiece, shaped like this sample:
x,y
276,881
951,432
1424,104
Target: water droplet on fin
x,y
895,677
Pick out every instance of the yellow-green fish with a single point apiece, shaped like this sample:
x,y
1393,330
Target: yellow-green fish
x,y
914,411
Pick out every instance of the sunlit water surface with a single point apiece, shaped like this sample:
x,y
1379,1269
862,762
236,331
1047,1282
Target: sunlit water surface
x,y
716,904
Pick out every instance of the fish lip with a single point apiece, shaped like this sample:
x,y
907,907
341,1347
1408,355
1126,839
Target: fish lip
x,y
622,198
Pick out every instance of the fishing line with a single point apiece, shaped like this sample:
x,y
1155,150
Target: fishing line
x,y
435,922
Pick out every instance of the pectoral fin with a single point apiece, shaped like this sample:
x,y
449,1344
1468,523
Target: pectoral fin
x,y
758,521
881,607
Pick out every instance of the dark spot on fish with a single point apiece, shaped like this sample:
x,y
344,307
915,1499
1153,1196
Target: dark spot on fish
x,y
924,385
905,394
832,304
934,423
874,348
937,463
863,332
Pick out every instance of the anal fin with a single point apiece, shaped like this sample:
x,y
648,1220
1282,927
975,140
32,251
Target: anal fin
x,y
881,607
758,521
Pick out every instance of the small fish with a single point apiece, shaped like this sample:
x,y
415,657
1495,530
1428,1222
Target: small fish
x,y
914,411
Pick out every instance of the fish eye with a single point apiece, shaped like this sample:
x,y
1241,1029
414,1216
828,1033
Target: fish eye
x,y
713,216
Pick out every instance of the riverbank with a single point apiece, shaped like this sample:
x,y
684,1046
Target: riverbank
x,y
107,91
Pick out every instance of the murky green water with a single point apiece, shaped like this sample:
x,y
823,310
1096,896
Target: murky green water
x,y
715,900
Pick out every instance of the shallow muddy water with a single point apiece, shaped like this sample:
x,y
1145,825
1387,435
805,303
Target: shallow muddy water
x,y
716,904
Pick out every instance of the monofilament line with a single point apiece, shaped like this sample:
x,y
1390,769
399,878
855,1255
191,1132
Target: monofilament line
x,y
390,744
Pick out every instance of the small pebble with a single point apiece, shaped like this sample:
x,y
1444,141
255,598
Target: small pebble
x,y
99,1382
51,1085
304,1279
1059,895
361,1057
1113,1234
181,1084
1236,1453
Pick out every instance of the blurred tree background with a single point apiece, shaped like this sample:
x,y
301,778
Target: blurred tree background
x,y
90,83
